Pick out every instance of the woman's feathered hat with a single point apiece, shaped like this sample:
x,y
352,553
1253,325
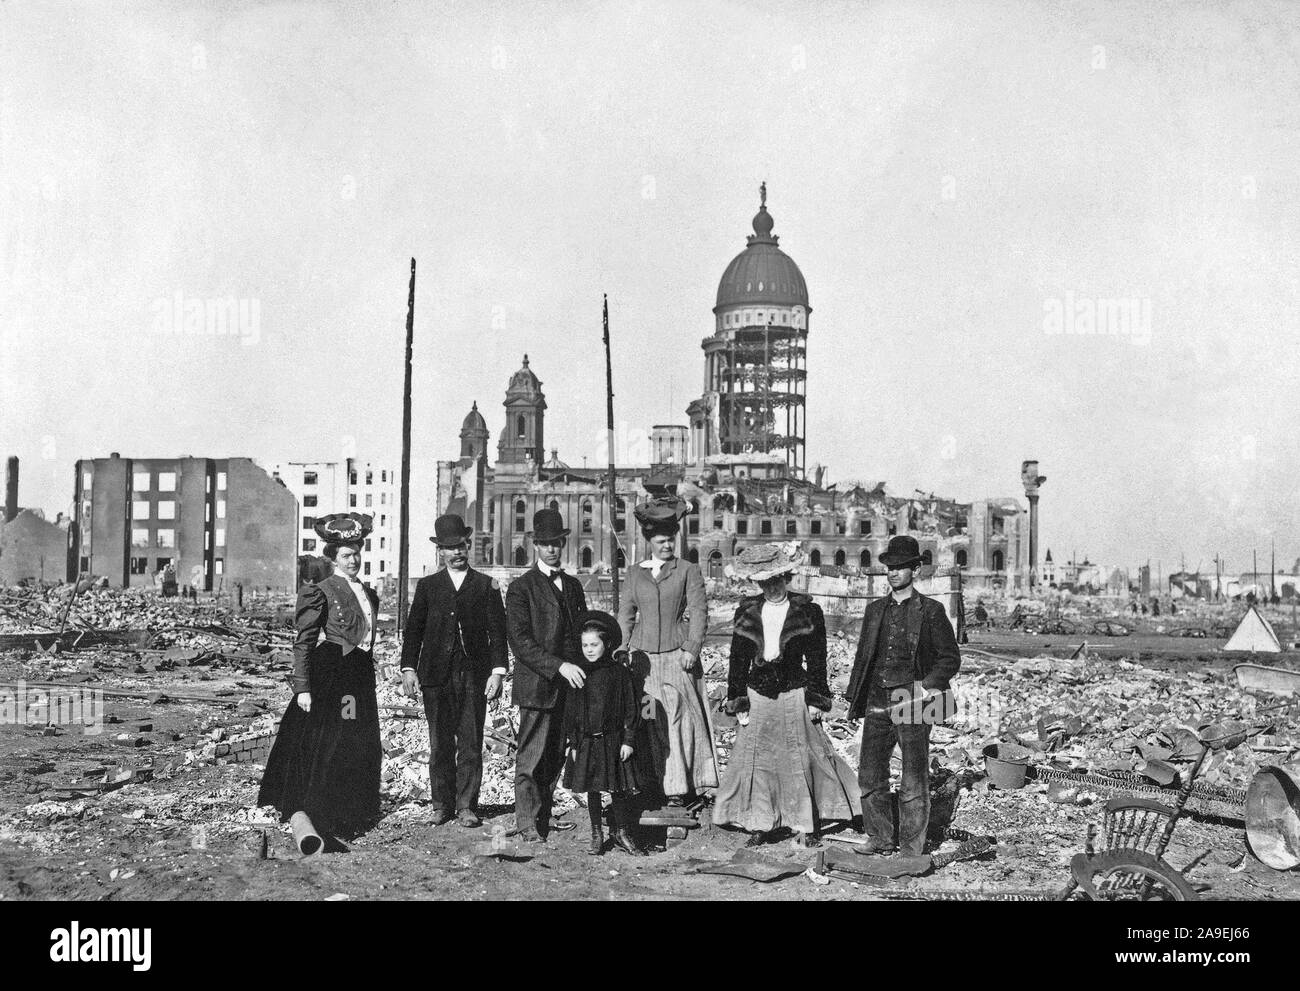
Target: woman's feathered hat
x,y
764,561
344,528
662,514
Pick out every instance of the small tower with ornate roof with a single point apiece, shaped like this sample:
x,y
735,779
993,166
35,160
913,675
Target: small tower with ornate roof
x,y
474,435
522,439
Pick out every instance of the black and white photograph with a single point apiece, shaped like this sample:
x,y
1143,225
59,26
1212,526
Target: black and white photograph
x,y
720,451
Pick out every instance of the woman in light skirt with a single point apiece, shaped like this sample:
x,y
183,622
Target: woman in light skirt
x,y
664,615
783,773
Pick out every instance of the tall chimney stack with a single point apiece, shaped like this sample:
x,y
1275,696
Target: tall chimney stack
x,y
11,489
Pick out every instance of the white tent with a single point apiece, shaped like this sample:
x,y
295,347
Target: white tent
x,y
1254,634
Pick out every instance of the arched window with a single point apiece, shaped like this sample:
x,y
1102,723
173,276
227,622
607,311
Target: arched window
x,y
521,557
815,559
521,512
927,557
959,559
586,516
864,559
620,558
520,427
693,555
586,557
839,558
555,505
997,560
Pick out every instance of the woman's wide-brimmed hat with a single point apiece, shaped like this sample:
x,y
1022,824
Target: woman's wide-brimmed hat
x,y
764,561
608,625
450,531
344,528
662,514
548,525
902,552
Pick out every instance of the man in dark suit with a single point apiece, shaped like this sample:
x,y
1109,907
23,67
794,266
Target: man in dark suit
x,y
454,650
906,655
544,611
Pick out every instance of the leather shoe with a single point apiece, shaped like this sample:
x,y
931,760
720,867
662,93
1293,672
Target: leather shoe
x,y
468,819
561,826
874,848
526,834
441,816
624,841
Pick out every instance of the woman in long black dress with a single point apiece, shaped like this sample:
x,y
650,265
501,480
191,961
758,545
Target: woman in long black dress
x,y
326,759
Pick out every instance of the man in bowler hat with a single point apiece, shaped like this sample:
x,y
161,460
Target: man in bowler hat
x,y
906,655
545,607
454,650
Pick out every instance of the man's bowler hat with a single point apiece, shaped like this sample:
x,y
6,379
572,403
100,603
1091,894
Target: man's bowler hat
x,y
450,531
548,526
903,552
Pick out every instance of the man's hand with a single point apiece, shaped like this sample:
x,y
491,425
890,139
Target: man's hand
x,y
624,752
688,660
573,674
304,701
493,690
410,683
743,718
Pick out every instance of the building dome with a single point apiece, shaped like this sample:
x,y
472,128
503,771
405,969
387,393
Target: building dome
x,y
474,421
762,273
523,383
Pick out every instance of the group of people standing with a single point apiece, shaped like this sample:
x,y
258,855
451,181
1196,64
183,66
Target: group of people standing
x,y
612,705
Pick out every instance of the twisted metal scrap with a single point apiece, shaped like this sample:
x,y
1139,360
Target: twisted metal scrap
x,y
1206,799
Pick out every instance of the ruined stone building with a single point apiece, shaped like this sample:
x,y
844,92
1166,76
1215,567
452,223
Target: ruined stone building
x,y
31,547
350,485
739,460
216,521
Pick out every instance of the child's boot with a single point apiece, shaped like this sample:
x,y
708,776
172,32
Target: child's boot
x,y
597,834
621,819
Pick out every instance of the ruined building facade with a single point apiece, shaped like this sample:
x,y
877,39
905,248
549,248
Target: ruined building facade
x,y
215,521
739,461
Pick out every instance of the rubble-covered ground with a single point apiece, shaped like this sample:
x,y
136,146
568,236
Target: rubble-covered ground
x,y
159,804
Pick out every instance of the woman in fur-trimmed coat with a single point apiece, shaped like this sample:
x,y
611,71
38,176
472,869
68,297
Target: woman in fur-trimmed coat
x,y
783,770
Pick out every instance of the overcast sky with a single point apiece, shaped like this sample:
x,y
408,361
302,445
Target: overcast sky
x,y
950,178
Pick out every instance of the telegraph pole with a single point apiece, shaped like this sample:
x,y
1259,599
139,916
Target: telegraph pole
x,y
609,424
404,545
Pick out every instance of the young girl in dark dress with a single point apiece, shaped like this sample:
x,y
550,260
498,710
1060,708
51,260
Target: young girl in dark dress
x,y
602,728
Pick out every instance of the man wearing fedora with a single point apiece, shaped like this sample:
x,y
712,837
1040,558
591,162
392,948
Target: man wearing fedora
x,y
545,607
454,650
906,654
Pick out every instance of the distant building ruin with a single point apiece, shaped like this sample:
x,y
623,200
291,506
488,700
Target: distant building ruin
x,y
739,461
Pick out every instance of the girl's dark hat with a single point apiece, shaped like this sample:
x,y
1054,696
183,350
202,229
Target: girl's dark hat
x,y
450,531
548,525
344,528
902,552
608,625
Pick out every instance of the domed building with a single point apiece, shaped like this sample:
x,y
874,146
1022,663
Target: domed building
x,y
739,461
755,362
474,434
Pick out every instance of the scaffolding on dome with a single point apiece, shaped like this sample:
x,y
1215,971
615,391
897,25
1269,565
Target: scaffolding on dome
x,y
761,380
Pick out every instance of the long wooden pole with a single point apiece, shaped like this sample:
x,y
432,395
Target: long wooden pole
x,y
609,424
404,537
